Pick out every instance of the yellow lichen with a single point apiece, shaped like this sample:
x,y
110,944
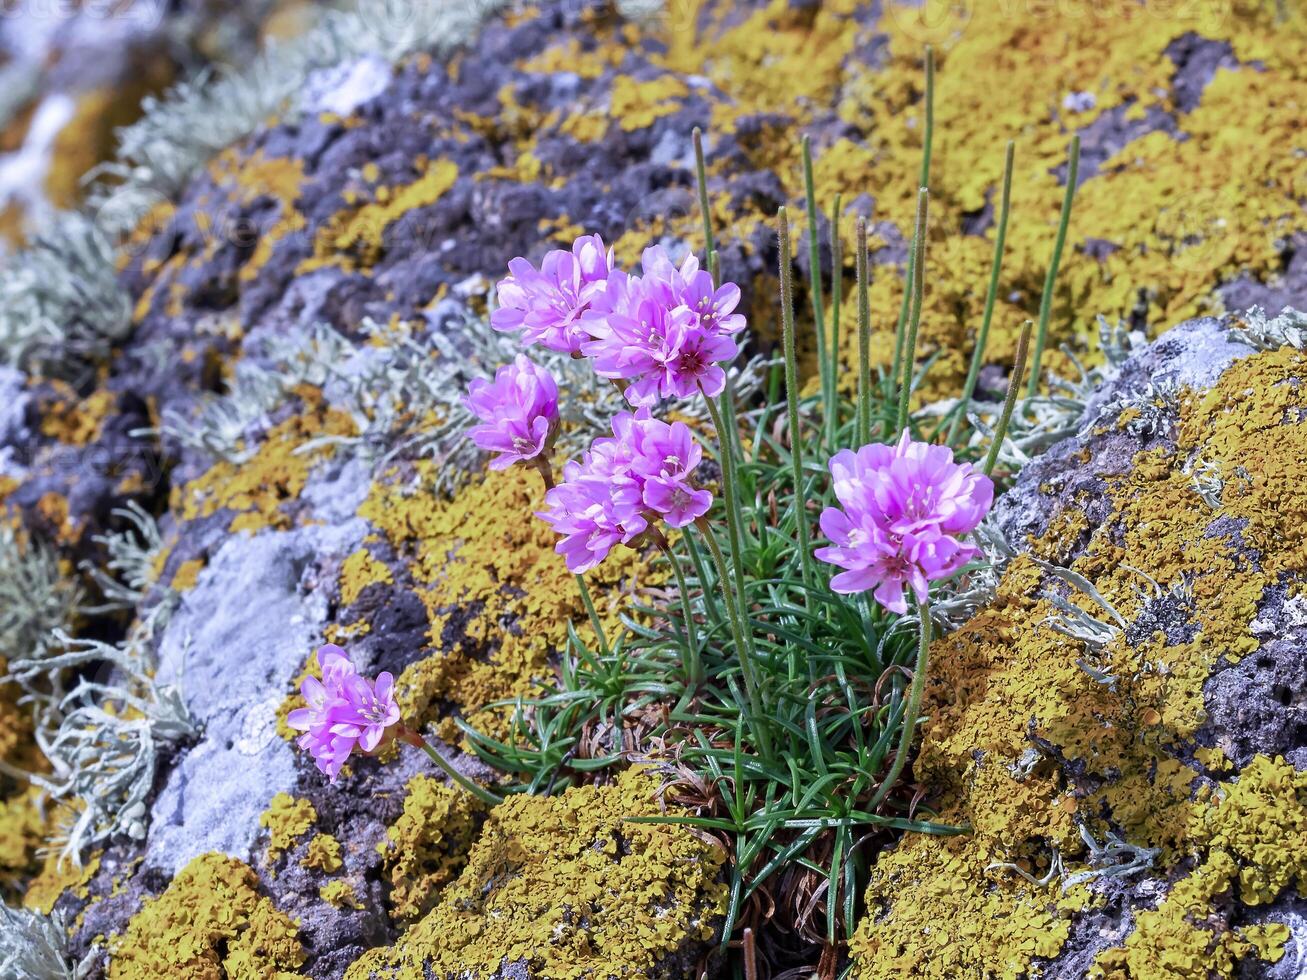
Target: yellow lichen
x,y
1007,682
427,846
359,571
257,489
565,885
183,580
286,820
340,893
323,854
210,923
361,231
498,597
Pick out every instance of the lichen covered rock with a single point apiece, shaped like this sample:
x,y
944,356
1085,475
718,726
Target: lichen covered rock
x,y
1130,760
564,888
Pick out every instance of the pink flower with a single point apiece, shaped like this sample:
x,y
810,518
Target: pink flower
x,y
625,483
518,411
666,333
345,710
904,509
547,304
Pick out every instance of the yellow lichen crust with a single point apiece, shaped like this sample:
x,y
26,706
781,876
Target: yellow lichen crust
x,y
564,885
1182,212
497,595
323,853
427,846
1027,746
210,923
286,820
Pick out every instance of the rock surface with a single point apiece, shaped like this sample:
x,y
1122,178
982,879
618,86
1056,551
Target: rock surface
x,y
385,208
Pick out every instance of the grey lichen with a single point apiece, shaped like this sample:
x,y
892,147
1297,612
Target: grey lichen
x,y
61,306
103,737
34,946
1262,332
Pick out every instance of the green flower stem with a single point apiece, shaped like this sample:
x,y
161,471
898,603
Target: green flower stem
x,y
918,291
701,177
739,630
694,663
1046,302
696,559
595,624
792,396
864,338
837,297
814,280
927,145
413,738
1014,383
730,496
910,711
978,355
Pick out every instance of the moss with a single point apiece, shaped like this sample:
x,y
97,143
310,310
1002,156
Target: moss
x,y
427,846
563,884
286,820
1007,682
210,923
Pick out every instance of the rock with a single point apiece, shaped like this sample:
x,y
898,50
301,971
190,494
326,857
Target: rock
x,y
234,660
563,886
1139,801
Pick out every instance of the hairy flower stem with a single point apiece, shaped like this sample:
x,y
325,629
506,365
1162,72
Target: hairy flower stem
x,y
730,499
792,394
864,338
694,663
1014,384
701,178
814,282
739,630
910,712
978,355
696,559
837,296
546,471
918,291
1046,301
413,738
595,624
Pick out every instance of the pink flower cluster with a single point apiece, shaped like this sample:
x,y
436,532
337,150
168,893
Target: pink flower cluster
x,y
641,474
904,510
345,710
518,412
665,333
547,304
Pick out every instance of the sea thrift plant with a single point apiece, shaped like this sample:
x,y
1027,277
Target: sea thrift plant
x,y
347,712
665,334
518,412
623,486
904,511
547,304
